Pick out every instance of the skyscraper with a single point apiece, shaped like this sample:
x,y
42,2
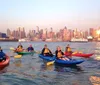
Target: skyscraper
x,y
65,34
8,32
91,32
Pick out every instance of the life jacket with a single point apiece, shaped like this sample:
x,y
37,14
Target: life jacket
x,y
19,49
68,49
46,50
59,54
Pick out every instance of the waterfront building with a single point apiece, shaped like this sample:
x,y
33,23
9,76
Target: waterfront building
x,y
91,32
65,34
8,33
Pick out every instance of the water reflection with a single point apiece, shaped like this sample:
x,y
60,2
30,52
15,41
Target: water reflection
x,y
97,49
18,63
60,68
31,69
95,80
3,70
97,57
67,68
45,67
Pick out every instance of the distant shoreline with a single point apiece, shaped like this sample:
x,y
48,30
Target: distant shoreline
x,y
16,40
7,40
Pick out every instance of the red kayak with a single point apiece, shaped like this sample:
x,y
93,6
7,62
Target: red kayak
x,y
5,63
79,55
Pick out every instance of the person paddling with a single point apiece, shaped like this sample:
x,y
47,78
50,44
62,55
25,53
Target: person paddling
x,y
30,48
68,51
19,48
2,55
20,45
46,51
60,54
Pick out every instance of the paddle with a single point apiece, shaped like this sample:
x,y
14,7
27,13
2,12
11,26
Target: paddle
x,y
50,63
11,48
17,56
38,52
77,52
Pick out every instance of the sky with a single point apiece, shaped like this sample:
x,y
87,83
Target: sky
x,y
80,14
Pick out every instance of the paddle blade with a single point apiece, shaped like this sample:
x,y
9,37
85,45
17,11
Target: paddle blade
x,y
18,56
97,58
50,63
11,48
77,52
80,52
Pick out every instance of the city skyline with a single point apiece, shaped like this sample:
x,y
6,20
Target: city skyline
x,y
64,34
80,14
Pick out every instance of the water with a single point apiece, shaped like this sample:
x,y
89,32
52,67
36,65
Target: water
x,y
31,70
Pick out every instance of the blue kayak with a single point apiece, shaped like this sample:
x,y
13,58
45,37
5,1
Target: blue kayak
x,y
69,62
47,58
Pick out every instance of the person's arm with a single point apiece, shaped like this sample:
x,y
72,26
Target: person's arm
x,y
50,51
32,49
66,49
43,51
18,46
1,50
56,53
3,54
62,53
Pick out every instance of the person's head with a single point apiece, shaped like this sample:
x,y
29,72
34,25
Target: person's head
x,y
19,47
30,45
68,45
58,48
45,46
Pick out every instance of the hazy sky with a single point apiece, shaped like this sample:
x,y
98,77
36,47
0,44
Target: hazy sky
x,y
81,14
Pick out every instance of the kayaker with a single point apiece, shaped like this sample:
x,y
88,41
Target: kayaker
x,y
19,48
46,51
30,48
68,51
2,55
60,54
20,45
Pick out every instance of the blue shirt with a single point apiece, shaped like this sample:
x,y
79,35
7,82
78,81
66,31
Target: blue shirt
x,y
2,54
30,49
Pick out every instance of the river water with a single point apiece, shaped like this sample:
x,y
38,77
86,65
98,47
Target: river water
x,y
31,70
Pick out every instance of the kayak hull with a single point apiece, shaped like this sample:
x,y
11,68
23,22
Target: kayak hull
x,y
82,55
79,55
24,53
61,62
47,58
69,62
5,63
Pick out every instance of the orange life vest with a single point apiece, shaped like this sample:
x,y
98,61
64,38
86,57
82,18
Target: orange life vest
x,y
69,49
19,49
59,55
46,50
